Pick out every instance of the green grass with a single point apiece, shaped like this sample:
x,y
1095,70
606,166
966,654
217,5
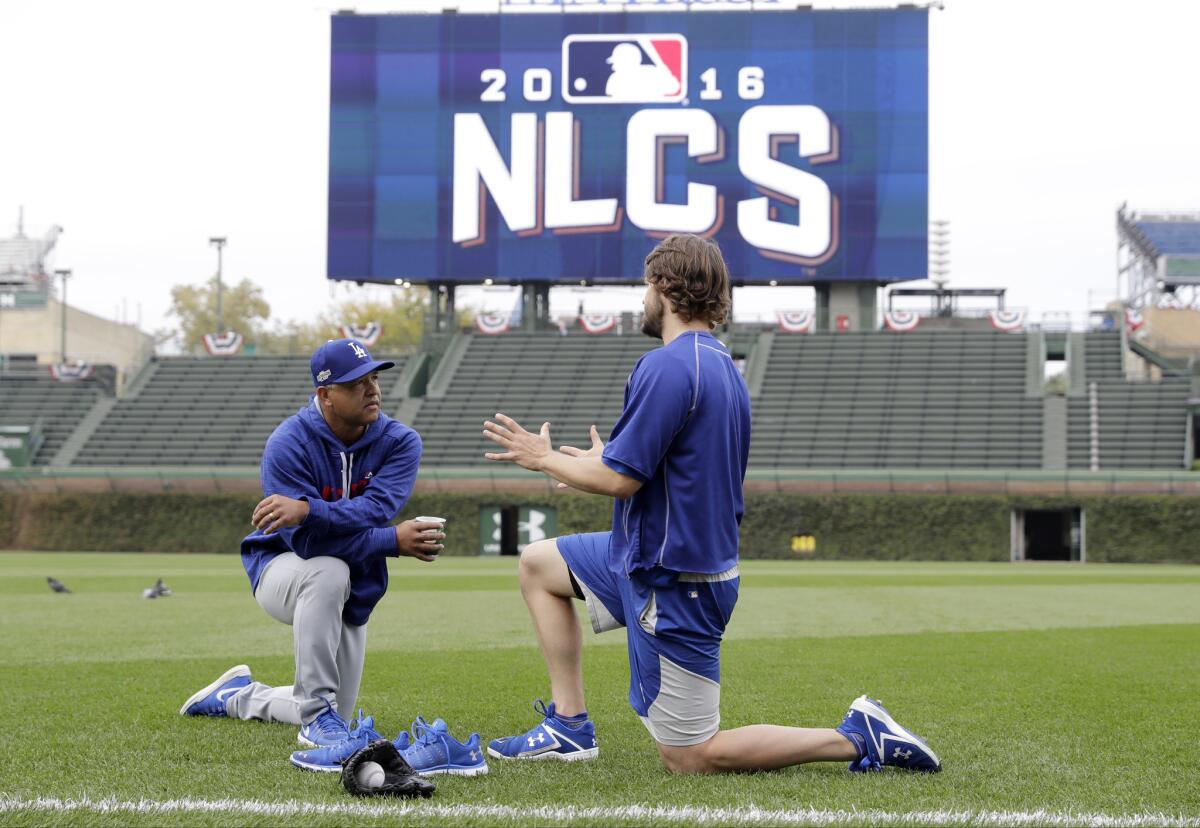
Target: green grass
x,y
1065,688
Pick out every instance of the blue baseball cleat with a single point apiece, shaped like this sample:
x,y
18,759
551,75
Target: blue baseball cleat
x,y
211,700
404,741
326,730
360,721
552,739
881,741
331,758
433,750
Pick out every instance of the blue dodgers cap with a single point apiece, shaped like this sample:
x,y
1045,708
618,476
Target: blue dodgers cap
x,y
343,360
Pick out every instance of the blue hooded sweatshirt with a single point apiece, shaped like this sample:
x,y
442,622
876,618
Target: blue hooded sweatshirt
x,y
353,493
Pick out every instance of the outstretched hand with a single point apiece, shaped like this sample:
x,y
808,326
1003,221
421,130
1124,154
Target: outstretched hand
x,y
596,450
526,449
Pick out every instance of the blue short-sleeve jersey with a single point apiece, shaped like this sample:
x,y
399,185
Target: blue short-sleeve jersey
x,y
685,434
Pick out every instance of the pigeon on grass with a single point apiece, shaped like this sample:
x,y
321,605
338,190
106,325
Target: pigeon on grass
x,y
159,590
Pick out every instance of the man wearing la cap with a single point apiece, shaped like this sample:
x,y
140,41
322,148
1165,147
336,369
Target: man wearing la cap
x,y
334,475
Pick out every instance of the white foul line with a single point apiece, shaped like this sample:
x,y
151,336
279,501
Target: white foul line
x,y
640,814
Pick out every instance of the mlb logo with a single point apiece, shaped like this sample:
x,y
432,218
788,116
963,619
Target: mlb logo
x,y
624,68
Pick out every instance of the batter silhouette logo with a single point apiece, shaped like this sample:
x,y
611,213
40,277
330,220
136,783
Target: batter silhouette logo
x,y
624,68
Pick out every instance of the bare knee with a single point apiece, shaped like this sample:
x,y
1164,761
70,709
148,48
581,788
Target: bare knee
x,y
701,758
542,567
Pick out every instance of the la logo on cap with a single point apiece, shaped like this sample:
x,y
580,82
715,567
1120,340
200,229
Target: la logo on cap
x,y
359,351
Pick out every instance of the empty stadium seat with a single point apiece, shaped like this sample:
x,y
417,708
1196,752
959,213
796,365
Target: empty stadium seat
x,y
1140,425
34,395
936,399
572,381
198,411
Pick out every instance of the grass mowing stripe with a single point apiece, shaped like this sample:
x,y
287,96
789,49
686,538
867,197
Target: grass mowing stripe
x,y
637,814
43,628
1077,723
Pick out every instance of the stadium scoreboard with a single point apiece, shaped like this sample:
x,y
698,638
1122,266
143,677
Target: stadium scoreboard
x,y
559,147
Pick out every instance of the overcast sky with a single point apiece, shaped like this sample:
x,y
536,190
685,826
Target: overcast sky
x,y
144,128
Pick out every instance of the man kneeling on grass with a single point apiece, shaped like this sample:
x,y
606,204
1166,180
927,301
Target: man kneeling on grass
x,y
668,570
334,475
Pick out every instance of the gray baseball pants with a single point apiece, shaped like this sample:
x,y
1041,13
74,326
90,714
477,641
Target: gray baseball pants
x,y
309,596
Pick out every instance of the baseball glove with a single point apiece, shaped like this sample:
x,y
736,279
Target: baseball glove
x,y
399,779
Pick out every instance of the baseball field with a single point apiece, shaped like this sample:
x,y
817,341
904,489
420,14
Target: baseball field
x,y
1054,695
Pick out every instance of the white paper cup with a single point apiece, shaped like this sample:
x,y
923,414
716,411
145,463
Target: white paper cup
x,y
441,521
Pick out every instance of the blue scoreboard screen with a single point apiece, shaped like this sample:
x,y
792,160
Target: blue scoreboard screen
x,y
560,147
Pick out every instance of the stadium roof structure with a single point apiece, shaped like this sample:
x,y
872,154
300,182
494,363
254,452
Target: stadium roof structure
x,y
23,260
1158,253
945,300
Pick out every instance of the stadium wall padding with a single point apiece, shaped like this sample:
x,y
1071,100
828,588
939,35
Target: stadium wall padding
x,y
1120,528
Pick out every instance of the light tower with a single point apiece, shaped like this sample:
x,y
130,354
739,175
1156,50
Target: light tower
x,y
939,252
939,264
62,343
219,243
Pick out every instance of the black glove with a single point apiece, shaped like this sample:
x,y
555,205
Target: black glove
x,y
399,779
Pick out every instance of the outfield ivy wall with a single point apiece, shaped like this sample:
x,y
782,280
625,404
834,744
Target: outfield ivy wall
x,y
1133,528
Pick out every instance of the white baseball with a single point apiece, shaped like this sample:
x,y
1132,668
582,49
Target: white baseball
x,y
370,775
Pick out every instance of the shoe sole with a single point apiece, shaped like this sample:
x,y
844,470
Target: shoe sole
x,y
864,705
304,741
573,756
229,675
480,770
316,768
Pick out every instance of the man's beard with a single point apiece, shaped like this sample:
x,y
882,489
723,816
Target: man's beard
x,y
652,322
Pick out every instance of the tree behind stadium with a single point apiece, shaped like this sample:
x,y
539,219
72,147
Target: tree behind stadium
x,y
243,310
246,311
401,318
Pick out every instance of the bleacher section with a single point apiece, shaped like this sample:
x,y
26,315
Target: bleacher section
x,y
741,339
572,381
26,397
1102,356
203,412
925,399
944,399
1142,425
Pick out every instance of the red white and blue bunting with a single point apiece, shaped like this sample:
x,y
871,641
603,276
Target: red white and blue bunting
x,y
796,321
223,344
368,334
598,323
901,321
1007,320
492,324
1133,319
73,371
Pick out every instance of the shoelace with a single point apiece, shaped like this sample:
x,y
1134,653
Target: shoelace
x,y
361,721
422,732
550,713
329,722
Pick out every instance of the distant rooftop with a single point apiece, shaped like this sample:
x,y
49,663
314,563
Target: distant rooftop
x,y
23,259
